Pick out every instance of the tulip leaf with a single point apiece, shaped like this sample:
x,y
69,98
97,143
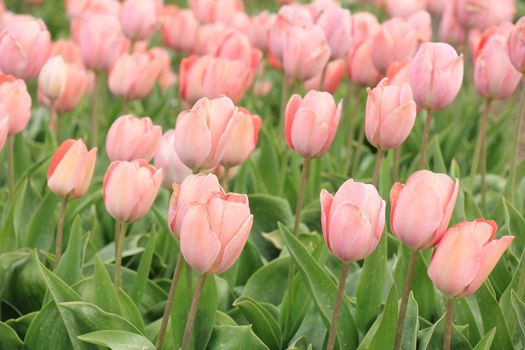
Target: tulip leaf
x,y
269,283
486,342
144,268
8,235
411,326
118,340
519,309
235,337
322,289
41,231
492,316
69,268
10,340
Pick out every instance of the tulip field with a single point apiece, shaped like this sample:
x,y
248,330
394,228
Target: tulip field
x,y
262,174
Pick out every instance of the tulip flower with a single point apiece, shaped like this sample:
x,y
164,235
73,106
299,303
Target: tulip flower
x,y
236,46
211,11
261,25
365,25
4,126
69,176
206,36
361,69
179,28
17,101
421,21
76,8
131,138
25,45
74,90
167,78
450,31
404,8
337,26
333,76
463,260
210,121
243,138
482,14
516,45
166,158
438,7
68,50
140,18
311,123
352,221
52,78
399,73
134,75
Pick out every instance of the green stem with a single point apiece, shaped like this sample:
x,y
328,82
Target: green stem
x,y
335,316
226,178
188,330
284,101
120,233
379,158
53,126
125,106
357,155
60,230
404,300
169,302
483,165
424,141
323,78
516,145
11,164
448,324
94,110
351,127
397,163
300,195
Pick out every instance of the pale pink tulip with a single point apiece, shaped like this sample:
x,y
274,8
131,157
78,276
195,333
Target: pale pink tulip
x,y
361,69
365,25
437,7
234,45
421,21
404,8
436,75
353,220
337,26
4,126
53,78
422,208
465,257
179,28
193,189
399,73
390,114
25,45
333,76
74,90
450,31
214,233
166,158
140,18
243,138
69,50
241,22
318,7
311,123
130,138
76,8
261,25
201,133
167,78
17,101
211,11
516,45
206,36
482,14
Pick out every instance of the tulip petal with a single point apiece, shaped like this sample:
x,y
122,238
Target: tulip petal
x,y
235,246
84,173
192,139
291,110
397,125
326,204
309,133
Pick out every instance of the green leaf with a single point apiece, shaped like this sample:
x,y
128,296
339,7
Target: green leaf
x,y
519,309
41,231
264,324
48,331
234,337
9,338
411,326
8,234
386,332
144,268
322,289
269,283
118,340
486,342
69,268
59,289
493,317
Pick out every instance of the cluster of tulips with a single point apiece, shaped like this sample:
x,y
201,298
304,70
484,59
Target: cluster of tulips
x,y
222,51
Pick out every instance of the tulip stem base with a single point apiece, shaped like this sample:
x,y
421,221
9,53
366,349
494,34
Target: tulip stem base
x,y
483,153
94,110
515,156
188,329
53,125
424,141
120,233
448,324
300,195
11,164
226,178
379,159
60,230
337,307
169,302
404,300
397,163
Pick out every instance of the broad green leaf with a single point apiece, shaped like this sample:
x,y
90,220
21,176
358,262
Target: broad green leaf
x,y
519,309
21,324
386,332
9,338
269,283
234,337
411,326
144,268
322,289
493,317
41,231
431,338
486,342
8,263
8,234
48,331
70,266
118,340
59,289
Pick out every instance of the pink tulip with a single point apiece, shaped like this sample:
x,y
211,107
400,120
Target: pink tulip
x,y
516,45
399,73
52,78
214,233
71,169
101,41
140,18
193,189
318,7
179,28
74,90
494,74
133,76
201,134
390,114
211,11
235,46
465,257
167,159
352,220
17,101
262,87
289,16
333,76
365,25
4,126
261,25
421,21
361,69
450,30
241,22
422,208
404,8
25,45
130,138
311,123
305,52
130,189
337,26
243,138
206,36
77,8
69,50
436,75
438,7
167,78
395,41
212,77
482,14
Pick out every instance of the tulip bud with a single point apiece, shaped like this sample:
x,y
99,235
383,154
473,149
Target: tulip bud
x,y
211,11
365,25
210,121
52,78
404,8
261,25
450,31
390,114
74,90
311,123
71,169
17,101
236,46
194,189
465,257
436,75
139,18
179,29
336,23
243,138
134,76
494,75
76,8
361,69
333,76
421,21
130,138
399,73
516,45
130,189
206,36
25,45
167,78
352,220
68,50
422,208
289,16
4,125
305,52
482,14
166,158
214,233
